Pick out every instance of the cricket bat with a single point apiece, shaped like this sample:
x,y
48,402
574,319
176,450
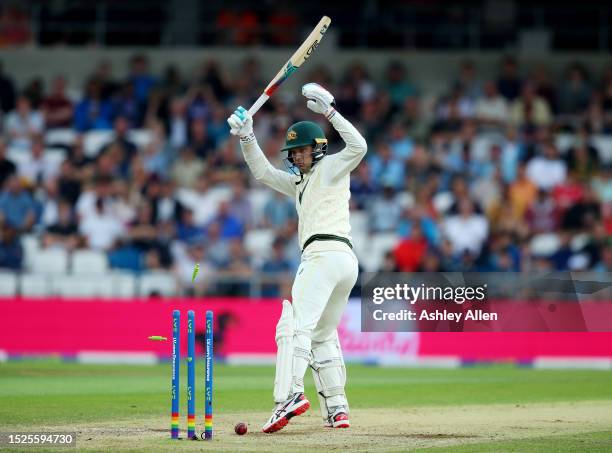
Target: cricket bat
x,y
297,59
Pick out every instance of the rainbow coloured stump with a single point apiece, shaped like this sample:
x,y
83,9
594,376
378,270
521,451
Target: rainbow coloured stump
x,y
208,381
191,374
176,363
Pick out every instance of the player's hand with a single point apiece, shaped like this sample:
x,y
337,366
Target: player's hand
x,y
320,100
240,122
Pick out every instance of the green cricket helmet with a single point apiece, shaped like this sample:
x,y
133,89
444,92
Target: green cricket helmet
x,y
304,133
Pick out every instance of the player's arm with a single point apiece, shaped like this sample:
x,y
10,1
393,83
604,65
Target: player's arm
x,y
241,124
342,163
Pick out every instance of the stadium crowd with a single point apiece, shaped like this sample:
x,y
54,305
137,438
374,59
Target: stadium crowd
x,y
506,174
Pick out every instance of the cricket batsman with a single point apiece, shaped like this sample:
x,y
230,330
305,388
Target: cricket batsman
x,y
306,333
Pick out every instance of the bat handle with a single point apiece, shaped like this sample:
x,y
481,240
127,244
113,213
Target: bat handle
x,y
258,103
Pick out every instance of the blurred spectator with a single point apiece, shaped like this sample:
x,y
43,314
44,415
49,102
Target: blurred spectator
x,y
127,105
34,91
583,158
239,268
584,214
240,206
491,110
145,236
602,185
7,167
277,266
7,91
229,224
400,143
103,74
466,231
100,228
410,251
57,108
362,186
199,140
93,111
547,170
187,168
384,211
574,92
37,169
17,207
468,81
530,109
542,214
100,192
278,210
11,252
64,232
23,124
385,168
187,230
178,128
523,193
397,84
509,83
141,78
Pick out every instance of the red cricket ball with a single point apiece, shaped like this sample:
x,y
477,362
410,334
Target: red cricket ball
x,y
240,428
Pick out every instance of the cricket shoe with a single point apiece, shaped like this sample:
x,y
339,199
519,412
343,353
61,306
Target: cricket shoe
x,y
338,418
296,404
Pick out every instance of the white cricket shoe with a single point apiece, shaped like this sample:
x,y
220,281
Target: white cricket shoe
x,y
296,404
338,418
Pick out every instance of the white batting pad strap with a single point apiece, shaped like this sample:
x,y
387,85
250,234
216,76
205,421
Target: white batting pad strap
x,y
301,359
329,373
284,353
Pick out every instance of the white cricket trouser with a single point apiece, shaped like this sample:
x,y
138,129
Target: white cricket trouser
x,y
320,292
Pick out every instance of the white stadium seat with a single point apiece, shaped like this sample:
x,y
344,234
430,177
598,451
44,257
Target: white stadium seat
x,y
50,261
94,140
65,137
36,285
163,283
89,262
31,245
545,244
77,286
140,137
123,284
8,284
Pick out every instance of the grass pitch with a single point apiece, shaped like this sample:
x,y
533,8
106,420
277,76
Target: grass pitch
x,y
498,408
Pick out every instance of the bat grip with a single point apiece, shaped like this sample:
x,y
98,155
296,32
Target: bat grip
x,y
258,103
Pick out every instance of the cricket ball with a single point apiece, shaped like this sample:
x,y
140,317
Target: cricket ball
x,y
240,428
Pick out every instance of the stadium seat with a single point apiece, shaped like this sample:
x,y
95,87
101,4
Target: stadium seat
x,y
34,285
19,156
60,137
544,244
50,261
31,245
8,284
603,143
564,142
442,202
89,262
95,140
80,286
140,137
163,283
55,156
123,284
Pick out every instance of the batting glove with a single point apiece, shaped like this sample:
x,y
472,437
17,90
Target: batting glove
x,y
320,100
240,122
